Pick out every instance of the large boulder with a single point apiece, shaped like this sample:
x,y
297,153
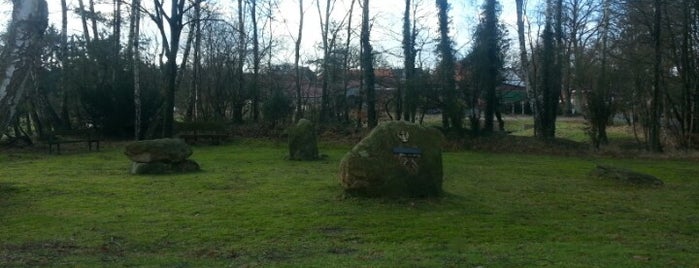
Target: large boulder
x,y
162,156
160,150
397,159
303,141
164,167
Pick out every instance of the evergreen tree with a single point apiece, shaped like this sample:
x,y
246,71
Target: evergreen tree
x,y
488,60
452,114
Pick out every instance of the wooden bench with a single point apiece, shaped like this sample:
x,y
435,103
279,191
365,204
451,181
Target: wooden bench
x,y
192,132
56,138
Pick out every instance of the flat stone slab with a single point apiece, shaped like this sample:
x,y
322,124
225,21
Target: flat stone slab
x,y
159,150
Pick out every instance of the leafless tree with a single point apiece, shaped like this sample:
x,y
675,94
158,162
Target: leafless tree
x,y
297,58
367,60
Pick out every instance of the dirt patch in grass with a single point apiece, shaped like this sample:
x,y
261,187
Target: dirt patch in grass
x,y
215,253
38,253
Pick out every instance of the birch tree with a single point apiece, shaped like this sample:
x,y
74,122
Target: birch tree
x,y
242,45
65,115
653,139
255,90
527,68
29,21
297,58
134,38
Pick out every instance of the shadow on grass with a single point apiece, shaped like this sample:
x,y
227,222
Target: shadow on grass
x,y
7,191
447,201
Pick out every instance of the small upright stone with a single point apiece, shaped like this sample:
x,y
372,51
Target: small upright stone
x,y
303,142
397,159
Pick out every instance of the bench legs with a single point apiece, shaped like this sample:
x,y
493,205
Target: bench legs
x,y
97,145
58,146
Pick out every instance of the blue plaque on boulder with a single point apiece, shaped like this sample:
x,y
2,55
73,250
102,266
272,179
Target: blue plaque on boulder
x,y
410,152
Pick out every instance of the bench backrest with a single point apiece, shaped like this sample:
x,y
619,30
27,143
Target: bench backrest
x,y
86,134
201,127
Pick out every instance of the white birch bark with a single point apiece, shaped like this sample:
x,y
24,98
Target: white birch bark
x,y
29,21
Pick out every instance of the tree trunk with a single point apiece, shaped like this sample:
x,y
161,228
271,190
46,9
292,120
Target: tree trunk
x,y
452,114
93,18
654,144
83,19
65,115
171,45
489,38
192,107
548,96
116,66
238,106
546,127
134,37
297,58
324,32
255,91
22,48
176,25
368,68
409,103
528,73
345,64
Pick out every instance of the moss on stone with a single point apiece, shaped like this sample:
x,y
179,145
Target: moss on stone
x,y
303,141
372,169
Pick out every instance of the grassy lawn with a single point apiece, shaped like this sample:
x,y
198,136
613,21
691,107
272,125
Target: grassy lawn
x,y
250,207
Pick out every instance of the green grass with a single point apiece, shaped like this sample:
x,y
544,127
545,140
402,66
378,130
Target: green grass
x,y
250,207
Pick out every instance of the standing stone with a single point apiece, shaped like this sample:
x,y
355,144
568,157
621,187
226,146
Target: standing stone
x,y
303,142
161,156
397,159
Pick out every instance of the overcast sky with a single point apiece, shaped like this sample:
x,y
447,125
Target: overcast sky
x,y
385,35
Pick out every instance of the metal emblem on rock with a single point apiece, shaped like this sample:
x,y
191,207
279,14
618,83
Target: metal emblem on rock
x,y
407,156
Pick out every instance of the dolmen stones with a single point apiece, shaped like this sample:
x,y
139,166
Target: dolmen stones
x,y
397,159
160,156
626,176
303,141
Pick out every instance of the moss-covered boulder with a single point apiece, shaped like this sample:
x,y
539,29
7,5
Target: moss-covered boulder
x,y
625,176
303,141
397,159
165,150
